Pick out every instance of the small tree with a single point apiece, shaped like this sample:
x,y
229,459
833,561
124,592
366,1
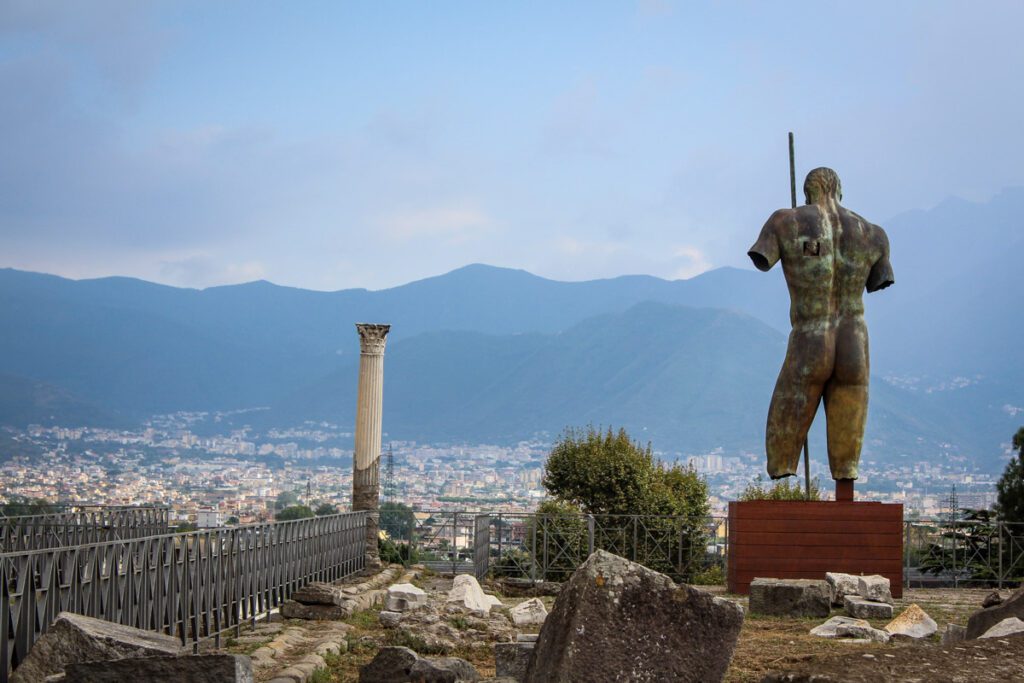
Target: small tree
x,y
784,489
609,476
398,520
326,509
295,512
286,499
1010,488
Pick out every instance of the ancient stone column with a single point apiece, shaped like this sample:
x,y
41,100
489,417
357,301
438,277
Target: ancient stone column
x,y
369,411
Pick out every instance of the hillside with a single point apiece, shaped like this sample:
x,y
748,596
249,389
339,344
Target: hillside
x,y
486,353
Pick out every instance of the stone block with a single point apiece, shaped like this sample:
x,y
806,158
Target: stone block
x,y
790,597
443,670
982,620
840,585
512,660
914,622
318,593
859,608
391,665
403,597
874,588
390,619
615,620
192,668
76,638
530,612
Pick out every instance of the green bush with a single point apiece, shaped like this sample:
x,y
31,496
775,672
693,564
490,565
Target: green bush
x,y
294,512
790,488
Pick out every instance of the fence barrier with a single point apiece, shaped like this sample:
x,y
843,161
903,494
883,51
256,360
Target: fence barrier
x,y
192,585
965,552
93,524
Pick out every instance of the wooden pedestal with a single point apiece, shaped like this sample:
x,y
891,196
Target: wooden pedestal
x,y
784,539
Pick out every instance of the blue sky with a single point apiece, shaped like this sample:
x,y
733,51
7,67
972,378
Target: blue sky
x,y
332,145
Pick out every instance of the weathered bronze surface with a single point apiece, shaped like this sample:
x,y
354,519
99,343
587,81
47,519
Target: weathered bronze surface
x,y
829,255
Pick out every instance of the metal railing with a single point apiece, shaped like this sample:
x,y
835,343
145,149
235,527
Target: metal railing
x,y
551,547
93,524
966,552
444,542
192,585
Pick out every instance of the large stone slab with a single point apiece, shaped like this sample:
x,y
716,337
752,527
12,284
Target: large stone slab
x,y
530,612
985,619
194,669
466,592
615,620
790,597
1007,627
874,587
913,622
860,632
859,608
840,585
403,597
76,638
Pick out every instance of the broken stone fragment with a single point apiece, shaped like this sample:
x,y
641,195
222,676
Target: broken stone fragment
x,y
829,628
914,622
530,612
1007,627
984,619
467,593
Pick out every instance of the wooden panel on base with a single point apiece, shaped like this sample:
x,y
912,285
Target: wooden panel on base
x,y
793,539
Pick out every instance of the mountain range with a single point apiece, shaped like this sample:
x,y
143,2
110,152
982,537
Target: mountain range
x,y
498,355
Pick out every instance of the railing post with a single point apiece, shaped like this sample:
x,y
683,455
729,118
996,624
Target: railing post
x,y
906,553
590,535
999,549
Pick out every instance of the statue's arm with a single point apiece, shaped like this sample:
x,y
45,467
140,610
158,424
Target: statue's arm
x,y
765,252
881,275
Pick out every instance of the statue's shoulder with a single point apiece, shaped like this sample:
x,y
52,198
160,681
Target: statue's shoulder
x,y
870,228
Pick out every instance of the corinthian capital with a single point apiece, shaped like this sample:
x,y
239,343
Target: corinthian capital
x,y
372,337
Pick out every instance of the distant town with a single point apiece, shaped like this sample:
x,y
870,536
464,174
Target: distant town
x,y
209,478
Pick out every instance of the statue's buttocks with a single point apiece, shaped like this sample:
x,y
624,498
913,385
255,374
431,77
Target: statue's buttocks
x,y
829,256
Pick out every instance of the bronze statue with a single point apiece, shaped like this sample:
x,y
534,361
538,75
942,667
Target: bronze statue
x,y
830,255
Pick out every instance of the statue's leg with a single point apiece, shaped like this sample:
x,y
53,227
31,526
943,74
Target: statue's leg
x,y
798,390
846,399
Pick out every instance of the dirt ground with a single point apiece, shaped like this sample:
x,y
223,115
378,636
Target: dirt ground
x,y
765,644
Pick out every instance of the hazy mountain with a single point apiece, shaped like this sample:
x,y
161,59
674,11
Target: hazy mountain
x,y
28,401
486,353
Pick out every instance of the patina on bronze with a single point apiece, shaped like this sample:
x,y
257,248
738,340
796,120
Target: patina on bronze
x,y
829,255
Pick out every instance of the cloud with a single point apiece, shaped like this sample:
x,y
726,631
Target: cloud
x,y
204,270
451,224
688,262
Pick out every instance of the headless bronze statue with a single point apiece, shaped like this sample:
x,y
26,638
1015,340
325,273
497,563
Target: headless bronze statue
x,y
830,255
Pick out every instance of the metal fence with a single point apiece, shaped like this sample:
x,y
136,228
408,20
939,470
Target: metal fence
x,y
550,547
192,585
92,524
971,552
444,542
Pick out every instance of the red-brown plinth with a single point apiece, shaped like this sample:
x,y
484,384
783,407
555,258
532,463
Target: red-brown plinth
x,y
791,539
